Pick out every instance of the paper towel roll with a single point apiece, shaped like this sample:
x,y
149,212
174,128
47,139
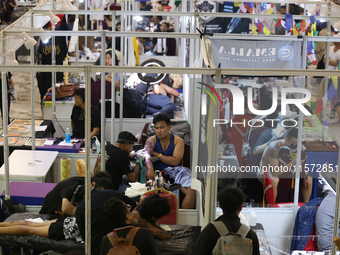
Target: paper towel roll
x,y
65,168
80,168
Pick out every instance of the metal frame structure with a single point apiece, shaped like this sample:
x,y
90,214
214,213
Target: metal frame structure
x,y
196,72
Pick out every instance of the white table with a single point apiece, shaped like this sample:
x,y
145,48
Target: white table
x,y
28,166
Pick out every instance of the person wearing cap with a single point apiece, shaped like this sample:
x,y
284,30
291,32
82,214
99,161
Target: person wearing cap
x,y
118,163
273,157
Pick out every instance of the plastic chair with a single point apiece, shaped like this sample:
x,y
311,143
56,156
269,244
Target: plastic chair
x,y
172,217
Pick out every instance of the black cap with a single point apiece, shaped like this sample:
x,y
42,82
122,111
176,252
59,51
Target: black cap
x,y
126,137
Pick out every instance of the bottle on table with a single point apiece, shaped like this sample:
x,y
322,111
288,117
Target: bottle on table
x,y
325,123
97,144
67,135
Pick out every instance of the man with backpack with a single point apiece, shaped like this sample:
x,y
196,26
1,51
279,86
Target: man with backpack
x,y
227,235
125,238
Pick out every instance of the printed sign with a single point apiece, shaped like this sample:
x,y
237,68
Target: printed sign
x,y
257,54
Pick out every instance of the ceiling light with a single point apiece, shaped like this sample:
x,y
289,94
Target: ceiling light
x,y
336,26
72,6
10,58
65,6
11,61
29,41
324,13
312,11
44,38
54,19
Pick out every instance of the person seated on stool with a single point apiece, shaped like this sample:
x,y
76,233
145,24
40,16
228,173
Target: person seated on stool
x,y
169,150
270,159
78,117
118,163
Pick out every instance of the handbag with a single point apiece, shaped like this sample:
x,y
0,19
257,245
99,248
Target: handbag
x,y
321,64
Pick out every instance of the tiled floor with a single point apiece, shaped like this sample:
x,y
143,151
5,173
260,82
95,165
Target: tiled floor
x,y
21,108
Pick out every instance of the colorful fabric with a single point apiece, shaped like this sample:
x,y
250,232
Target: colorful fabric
x,y
289,22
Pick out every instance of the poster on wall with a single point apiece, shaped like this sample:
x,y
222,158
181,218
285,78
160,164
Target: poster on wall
x,y
258,54
212,24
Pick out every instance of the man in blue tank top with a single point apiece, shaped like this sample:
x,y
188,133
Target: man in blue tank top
x,y
169,150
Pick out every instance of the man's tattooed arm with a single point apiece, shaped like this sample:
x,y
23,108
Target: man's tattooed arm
x,y
157,232
273,150
150,145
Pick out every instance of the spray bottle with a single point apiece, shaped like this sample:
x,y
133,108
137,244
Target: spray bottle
x,y
97,144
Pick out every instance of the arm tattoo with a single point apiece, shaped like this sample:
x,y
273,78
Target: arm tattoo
x,y
149,146
273,151
142,223
162,235
156,231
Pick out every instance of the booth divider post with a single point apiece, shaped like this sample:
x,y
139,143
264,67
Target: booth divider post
x,y
85,17
183,20
88,161
5,136
54,113
337,207
103,96
128,8
298,157
77,4
113,85
32,93
192,48
123,62
326,67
